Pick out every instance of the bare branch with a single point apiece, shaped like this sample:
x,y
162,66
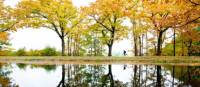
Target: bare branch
x,y
195,3
193,20
52,23
4,30
106,27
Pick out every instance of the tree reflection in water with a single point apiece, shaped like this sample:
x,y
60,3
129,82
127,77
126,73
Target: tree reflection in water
x,y
104,76
142,76
88,76
165,76
48,68
5,81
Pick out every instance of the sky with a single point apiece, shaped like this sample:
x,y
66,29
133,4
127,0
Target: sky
x,y
40,38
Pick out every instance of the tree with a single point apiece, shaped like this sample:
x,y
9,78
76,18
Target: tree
x,y
170,14
191,36
57,15
49,51
7,20
108,16
139,29
7,23
21,52
187,42
3,39
139,26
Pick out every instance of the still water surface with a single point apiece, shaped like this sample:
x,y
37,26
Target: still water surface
x,y
69,75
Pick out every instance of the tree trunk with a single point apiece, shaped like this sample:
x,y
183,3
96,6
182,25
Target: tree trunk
x,y
62,82
174,55
158,83
70,49
189,48
173,76
155,48
111,76
174,43
95,50
74,48
140,46
63,75
68,45
159,47
135,46
146,45
63,46
189,75
159,44
135,78
77,49
146,76
109,50
91,51
139,76
182,46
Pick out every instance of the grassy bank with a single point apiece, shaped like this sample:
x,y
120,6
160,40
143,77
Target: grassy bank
x,y
157,60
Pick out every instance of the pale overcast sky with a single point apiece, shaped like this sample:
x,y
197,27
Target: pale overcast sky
x,y
40,38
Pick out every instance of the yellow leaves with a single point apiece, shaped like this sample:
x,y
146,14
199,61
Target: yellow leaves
x,y
158,6
3,36
190,32
7,20
168,13
39,13
108,7
4,22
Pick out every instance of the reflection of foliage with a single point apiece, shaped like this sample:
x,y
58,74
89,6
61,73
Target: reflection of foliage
x,y
89,76
49,67
188,75
46,67
84,75
5,81
143,76
21,65
146,76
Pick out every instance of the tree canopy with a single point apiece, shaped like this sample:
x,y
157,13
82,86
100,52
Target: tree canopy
x,y
103,22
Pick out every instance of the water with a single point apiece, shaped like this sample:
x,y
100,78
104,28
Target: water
x,y
23,75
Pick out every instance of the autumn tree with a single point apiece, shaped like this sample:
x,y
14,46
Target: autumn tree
x,y
187,42
108,16
166,14
79,39
190,36
57,15
7,23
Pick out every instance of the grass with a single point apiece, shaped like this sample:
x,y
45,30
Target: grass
x,y
155,60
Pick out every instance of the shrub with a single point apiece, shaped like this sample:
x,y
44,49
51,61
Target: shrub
x,y
21,52
49,51
34,53
3,53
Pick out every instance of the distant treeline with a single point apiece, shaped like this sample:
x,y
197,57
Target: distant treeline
x,y
48,51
